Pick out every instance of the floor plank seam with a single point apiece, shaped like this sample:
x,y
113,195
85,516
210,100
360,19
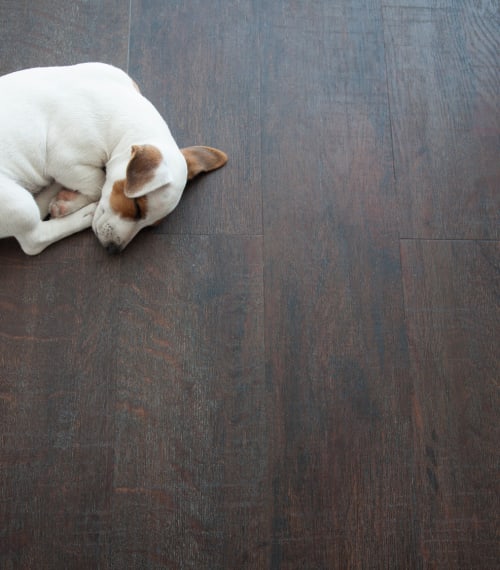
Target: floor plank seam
x,y
226,234
129,34
493,240
388,95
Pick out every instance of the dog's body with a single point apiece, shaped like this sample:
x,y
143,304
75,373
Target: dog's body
x,y
86,128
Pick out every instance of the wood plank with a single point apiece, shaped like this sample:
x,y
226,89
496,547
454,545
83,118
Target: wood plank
x,y
336,348
192,414
55,32
198,63
444,80
56,393
453,316
57,342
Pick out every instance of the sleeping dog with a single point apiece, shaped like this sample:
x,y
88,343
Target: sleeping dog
x,y
82,144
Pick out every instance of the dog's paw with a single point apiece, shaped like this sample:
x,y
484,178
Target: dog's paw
x,y
66,202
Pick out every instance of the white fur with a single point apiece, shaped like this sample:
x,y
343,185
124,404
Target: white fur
x,y
61,126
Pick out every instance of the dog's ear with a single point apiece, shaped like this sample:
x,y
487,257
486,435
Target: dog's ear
x,y
203,159
146,171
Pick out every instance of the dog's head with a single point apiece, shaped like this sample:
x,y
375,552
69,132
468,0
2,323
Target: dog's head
x,y
150,190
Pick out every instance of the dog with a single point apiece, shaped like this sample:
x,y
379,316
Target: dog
x,y
81,146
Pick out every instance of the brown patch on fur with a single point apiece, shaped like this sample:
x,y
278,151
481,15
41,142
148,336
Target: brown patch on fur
x,y
141,168
203,159
131,208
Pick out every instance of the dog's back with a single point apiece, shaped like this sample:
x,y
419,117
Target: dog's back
x,y
39,109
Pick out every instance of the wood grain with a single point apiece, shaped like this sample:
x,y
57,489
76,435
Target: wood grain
x,y
56,389
444,81
191,413
335,339
273,378
453,314
209,95
54,32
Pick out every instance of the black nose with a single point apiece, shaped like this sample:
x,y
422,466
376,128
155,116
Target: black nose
x,y
113,248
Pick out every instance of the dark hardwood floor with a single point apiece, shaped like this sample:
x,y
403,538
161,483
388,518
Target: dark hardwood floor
x,y
300,367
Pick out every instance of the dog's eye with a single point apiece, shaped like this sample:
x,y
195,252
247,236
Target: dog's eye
x,y
138,210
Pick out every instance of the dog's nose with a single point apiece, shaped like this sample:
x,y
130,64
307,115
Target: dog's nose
x,y
113,248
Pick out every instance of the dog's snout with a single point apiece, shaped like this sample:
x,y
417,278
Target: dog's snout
x,y
113,248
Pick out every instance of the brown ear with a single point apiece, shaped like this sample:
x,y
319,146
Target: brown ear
x,y
203,159
146,171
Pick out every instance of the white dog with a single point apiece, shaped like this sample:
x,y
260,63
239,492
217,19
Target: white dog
x,y
82,144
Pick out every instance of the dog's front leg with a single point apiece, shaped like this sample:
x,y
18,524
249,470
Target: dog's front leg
x,y
20,218
45,233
